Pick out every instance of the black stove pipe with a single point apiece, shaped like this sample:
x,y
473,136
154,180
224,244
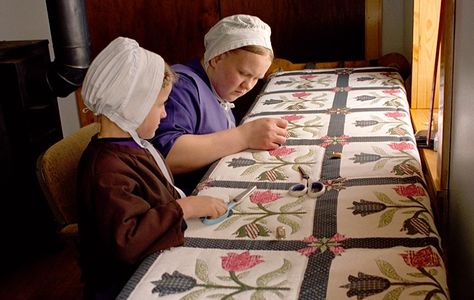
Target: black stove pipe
x,y
71,44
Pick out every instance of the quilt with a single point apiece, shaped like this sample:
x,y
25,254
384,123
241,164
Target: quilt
x,y
371,235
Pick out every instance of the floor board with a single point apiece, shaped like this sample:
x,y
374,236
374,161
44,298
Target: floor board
x,y
54,275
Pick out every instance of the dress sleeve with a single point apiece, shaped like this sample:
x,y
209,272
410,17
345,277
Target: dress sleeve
x,y
182,110
135,222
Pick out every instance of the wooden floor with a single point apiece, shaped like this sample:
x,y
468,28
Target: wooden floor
x,y
53,275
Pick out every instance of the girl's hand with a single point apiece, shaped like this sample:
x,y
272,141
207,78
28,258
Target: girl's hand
x,y
265,133
202,206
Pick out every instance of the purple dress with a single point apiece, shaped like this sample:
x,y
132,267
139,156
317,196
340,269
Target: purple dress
x,y
192,108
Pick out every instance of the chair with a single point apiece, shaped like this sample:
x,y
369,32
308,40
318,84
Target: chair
x,y
56,170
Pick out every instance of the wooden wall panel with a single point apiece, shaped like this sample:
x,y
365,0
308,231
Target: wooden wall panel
x,y
425,34
304,31
173,28
373,28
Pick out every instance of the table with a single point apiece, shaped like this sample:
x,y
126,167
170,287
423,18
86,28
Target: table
x,y
371,234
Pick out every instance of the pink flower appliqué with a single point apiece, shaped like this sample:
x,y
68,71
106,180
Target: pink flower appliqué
x,y
391,92
204,184
315,244
411,190
337,250
307,251
401,146
340,89
282,151
421,258
336,184
395,114
300,94
338,237
292,118
264,197
334,140
240,262
308,76
310,239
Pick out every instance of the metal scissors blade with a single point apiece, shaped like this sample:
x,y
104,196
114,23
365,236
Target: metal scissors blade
x,y
242,195
303,173
232,203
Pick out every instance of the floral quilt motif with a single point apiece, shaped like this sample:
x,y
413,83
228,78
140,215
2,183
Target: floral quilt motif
x,y
338,110
306,81
334,140
390,97
406,162
321,245
289,214
298,101
396,125
335,184
422,282
312,126
420,215
272,168
238,267
384,79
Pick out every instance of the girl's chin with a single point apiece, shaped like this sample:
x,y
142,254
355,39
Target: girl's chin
x,y
233,97
149,135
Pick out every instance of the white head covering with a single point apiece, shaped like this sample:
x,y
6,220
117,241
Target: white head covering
x,y
123,83
234,32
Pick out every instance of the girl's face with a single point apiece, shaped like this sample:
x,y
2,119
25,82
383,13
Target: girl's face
x,y
147,129
232,74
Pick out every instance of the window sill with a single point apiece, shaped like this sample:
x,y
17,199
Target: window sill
x,y
429,157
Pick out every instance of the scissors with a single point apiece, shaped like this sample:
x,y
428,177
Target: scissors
x,y
232,203
314,189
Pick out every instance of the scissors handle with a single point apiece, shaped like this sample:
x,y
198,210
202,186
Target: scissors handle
x,y
228,213
230,206
298,189
316,189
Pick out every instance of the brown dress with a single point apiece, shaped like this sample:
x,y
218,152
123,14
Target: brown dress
x,y
127,210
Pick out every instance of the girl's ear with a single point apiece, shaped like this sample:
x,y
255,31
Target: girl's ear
x,y
213,62
216,59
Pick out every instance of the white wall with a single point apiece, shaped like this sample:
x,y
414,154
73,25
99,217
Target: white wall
x,y
28,20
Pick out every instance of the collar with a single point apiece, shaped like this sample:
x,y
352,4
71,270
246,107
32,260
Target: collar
x,y
226,105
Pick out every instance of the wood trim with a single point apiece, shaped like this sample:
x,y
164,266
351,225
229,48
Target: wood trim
x,y
85,116
373,28
425,36
446,94
429,161
444,126
419,119
435,163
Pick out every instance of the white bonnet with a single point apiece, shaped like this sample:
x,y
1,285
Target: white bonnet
x,y
234,32
123,83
